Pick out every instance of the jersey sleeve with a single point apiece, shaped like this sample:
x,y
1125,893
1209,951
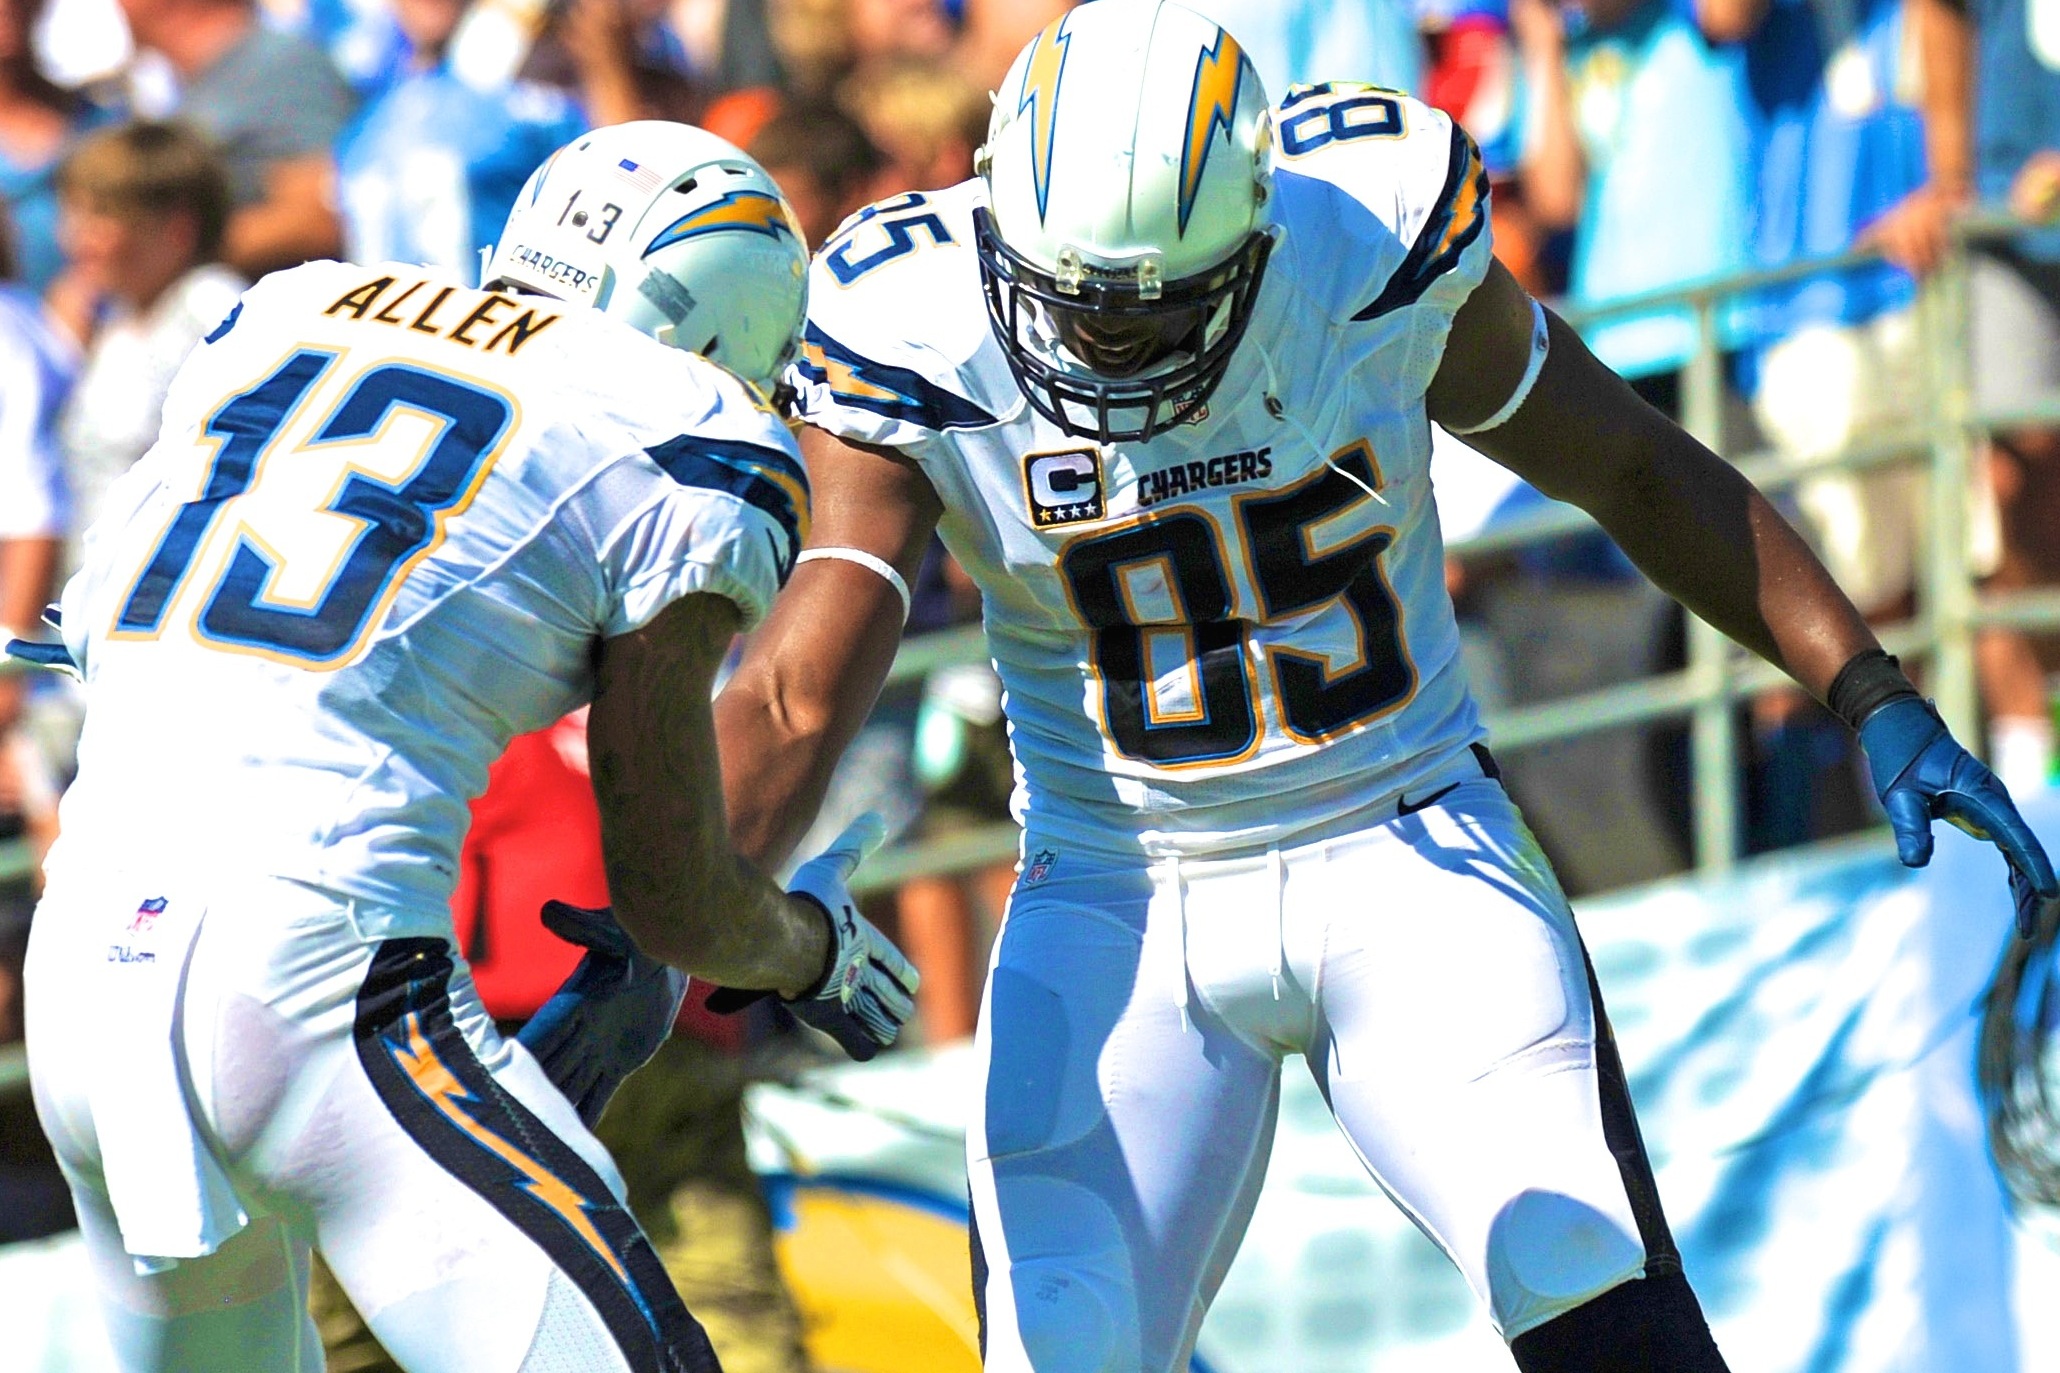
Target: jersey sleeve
x,y
895,323
722,509
1387,199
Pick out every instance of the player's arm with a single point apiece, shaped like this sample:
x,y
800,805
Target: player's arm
x,y
1708,538
811,672
1696,527
679,890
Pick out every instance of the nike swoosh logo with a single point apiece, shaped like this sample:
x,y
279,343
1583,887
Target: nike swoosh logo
x,y
1403,806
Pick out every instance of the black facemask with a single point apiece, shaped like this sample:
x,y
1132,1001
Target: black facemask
x,y
1087,404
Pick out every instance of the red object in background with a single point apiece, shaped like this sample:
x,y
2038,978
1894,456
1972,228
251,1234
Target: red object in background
x,y
536,837
1471,72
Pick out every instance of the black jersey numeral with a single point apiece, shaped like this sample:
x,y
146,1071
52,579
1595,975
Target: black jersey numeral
x,y
1173,661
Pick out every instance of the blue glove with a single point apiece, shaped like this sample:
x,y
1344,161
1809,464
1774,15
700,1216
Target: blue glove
x,y
608,1018
867,990
1922,774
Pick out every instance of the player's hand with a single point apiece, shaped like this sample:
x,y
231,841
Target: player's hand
x,y
1922,774
608,1018
867,990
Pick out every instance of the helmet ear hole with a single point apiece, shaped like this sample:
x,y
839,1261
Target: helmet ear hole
x,y
708,351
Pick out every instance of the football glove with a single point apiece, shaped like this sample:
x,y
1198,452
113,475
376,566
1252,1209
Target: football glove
x,y
1922,774
608,1018
867,990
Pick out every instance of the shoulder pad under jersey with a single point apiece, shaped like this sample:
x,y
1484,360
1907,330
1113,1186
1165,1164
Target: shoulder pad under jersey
x,y
897,349
1382,200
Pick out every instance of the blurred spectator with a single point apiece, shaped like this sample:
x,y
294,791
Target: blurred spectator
x,y
883,29
432,166
923,116
145,210
273,104
992,32
826,166
728,43
820,42
813,39
1301,42
1635,139
1841,100
36,369
1839,146
37,120
619,58
2016,352
362,37
1471,73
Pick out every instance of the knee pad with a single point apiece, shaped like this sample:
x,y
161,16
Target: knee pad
x,y
1066,1322
1647,1325
1547,1252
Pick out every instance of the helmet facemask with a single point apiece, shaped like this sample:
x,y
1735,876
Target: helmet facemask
x,y
1029,306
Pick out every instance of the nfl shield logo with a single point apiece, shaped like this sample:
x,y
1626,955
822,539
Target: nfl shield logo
x,y
1040,866
147,914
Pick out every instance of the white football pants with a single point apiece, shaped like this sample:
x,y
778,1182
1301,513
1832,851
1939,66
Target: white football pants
x,y
342,1090
1132,1036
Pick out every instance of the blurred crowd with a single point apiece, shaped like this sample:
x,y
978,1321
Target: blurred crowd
x,y
157,155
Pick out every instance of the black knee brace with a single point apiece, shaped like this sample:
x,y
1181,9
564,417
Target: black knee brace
x,y
1647,1325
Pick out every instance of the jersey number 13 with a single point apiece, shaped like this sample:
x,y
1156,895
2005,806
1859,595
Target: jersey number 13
x,y
399,521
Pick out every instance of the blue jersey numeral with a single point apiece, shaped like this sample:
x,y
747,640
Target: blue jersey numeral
x,y
1337,112
401,521
890,217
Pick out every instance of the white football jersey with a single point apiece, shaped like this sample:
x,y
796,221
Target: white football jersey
x,y
385,523
1238,629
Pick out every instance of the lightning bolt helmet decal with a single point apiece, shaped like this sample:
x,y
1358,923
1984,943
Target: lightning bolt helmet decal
x,y
1219,72
752,211
1040,101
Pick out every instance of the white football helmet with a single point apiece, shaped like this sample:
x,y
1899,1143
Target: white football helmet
x,y
1127,168
672,230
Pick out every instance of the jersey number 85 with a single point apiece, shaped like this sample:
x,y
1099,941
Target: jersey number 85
x,y
1212,716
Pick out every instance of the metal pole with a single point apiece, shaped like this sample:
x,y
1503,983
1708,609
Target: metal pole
x,y
1712,742
1950,590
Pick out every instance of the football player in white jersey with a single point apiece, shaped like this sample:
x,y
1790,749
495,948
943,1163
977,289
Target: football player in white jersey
x,y
1163,376
392,522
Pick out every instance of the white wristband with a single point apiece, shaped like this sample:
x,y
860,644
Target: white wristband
x,y
866,561
1539,343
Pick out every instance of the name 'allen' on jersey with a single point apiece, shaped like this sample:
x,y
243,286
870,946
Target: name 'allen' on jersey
x,y
1237,628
